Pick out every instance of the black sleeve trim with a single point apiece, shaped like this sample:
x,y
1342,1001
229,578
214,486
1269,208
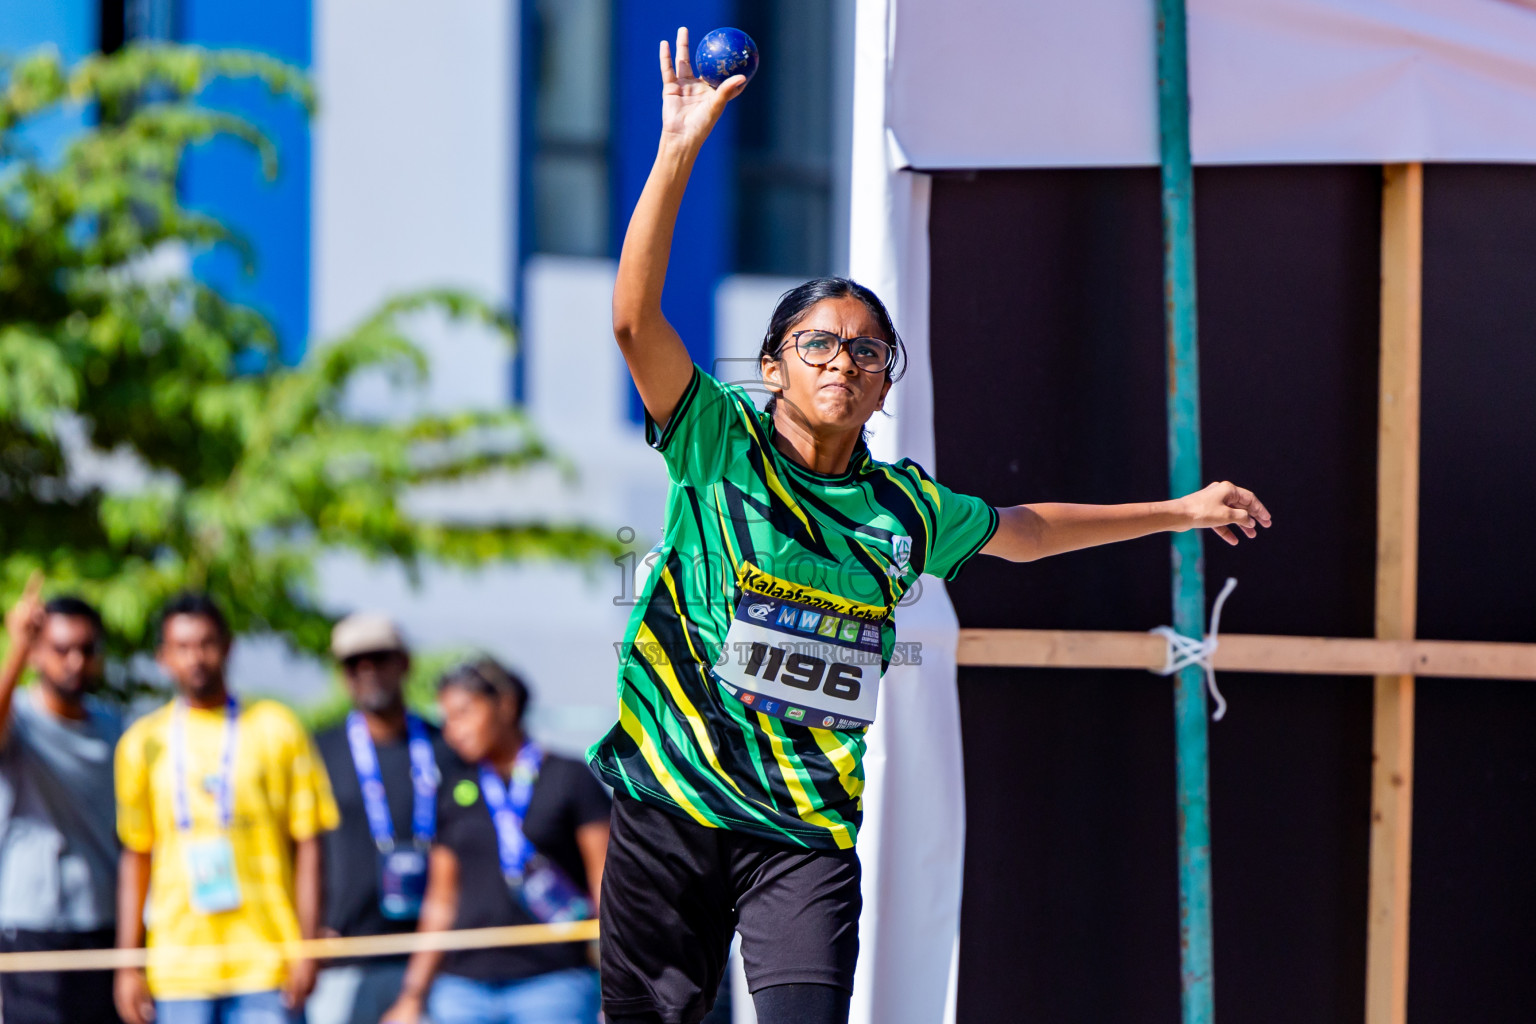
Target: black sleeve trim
x,y
657,436
976,549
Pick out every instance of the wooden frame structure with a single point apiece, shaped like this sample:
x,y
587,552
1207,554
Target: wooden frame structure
x,y
1394,657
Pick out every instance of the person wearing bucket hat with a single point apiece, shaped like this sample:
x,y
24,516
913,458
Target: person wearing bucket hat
x,y
385,764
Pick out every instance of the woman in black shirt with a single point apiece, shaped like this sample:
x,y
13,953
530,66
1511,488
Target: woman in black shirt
x,y
522,834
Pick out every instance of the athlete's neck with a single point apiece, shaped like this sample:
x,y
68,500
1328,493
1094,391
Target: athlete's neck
x,y
61,705
824,453
386,726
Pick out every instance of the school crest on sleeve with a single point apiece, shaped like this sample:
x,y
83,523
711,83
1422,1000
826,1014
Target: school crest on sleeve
x,y
901,556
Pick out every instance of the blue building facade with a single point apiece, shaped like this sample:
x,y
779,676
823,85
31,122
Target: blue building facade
x,y
223,179
73,28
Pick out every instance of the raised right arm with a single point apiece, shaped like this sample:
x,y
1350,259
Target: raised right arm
x,y
657,359
24,623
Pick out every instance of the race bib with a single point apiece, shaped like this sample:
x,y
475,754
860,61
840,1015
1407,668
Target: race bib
x,y
802,655
402,882
211,869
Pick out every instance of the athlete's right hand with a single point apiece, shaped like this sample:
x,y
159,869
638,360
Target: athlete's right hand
x,y
690,106
407,1010
24,622
130,993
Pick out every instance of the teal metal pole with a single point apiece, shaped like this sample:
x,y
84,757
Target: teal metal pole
x,y
1185,476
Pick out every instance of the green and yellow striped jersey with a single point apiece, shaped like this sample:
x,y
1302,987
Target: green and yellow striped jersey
x,y
737,509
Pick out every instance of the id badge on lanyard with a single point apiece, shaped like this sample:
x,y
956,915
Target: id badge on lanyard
x,y
803,656
534,880
402,882
402,869
215,887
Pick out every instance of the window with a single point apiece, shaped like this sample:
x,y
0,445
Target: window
x,y
569,165
145,20
784,140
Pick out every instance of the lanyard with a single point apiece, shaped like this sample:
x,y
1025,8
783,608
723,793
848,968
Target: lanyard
x,y
226,793
509,809
423,781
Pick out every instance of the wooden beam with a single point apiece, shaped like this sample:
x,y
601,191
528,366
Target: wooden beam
x,y
1397,543
1059,648
1242,652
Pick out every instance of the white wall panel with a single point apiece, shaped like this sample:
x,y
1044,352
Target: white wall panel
x,y
414,173
913,840
1071,83
578,386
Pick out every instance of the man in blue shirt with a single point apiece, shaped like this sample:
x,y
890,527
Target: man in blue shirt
x,y
58,841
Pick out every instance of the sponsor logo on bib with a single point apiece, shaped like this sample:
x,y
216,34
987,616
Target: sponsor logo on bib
x,y
803,655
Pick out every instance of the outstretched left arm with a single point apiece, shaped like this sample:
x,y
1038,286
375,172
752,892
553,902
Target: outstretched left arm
x,y
1027,532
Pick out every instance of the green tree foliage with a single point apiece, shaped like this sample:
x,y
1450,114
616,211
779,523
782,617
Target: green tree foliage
x,y
249,469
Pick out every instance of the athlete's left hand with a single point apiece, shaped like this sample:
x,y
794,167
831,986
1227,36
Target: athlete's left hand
x,y
1223,505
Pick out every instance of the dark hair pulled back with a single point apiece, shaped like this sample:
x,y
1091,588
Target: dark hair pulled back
x,y
488,678
797,302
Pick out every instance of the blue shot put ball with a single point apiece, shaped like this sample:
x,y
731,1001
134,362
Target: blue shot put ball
x,y
723,53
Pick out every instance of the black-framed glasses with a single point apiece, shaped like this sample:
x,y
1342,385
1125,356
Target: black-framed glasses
x,y
818,348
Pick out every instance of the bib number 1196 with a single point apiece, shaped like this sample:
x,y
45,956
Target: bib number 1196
x,y
803,662
804,671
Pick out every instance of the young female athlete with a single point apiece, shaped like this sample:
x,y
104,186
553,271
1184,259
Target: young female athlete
x,y
753,658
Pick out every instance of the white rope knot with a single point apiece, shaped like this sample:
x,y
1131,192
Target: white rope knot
x,y
1184,651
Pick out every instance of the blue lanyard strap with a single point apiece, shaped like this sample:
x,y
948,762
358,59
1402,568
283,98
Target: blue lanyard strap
x,y
509,808
424,780
226,783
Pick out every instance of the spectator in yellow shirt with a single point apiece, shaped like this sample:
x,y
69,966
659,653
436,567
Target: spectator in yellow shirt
x,y
220,805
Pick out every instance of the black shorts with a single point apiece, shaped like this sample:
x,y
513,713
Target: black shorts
x,y
675,890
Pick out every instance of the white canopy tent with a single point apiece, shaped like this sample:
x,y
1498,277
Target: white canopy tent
x,y
1072,83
